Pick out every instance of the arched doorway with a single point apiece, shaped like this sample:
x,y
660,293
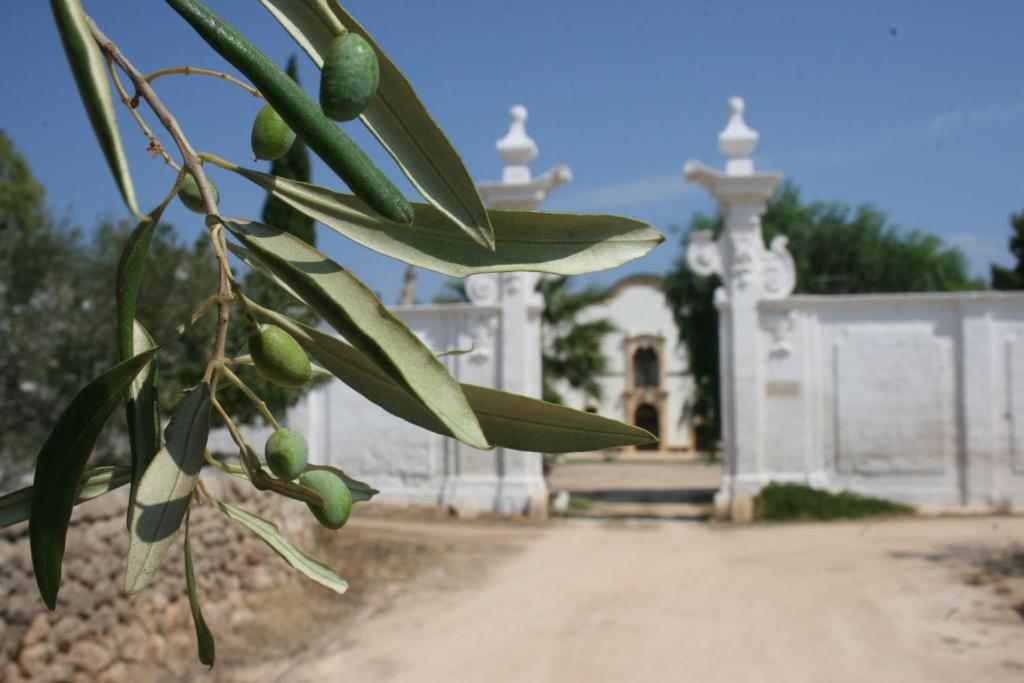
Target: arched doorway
x,y
646,417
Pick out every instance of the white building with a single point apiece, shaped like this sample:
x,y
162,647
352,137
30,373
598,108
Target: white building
x,y
647,381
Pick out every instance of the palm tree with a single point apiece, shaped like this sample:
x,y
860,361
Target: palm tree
x,y
572,348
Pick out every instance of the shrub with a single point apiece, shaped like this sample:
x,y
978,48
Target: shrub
x,y
793,502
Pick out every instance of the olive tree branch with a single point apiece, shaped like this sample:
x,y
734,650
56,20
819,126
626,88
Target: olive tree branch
x,y
189,70
155,146
193,165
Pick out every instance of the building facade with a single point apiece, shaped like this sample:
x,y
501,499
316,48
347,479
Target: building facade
x,y
646,382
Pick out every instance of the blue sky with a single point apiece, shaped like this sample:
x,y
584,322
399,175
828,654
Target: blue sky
x,y
916,107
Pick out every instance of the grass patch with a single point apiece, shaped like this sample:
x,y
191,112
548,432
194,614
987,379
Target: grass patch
x,y
794,502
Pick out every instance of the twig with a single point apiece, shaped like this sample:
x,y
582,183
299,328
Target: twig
x,y
154,143
193,165
256,400
189,70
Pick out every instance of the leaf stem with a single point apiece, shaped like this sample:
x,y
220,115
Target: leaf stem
x,y
251,395
330,17
222,466
189,70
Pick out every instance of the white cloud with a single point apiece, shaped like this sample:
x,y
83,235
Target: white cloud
x,y
993,113
646,191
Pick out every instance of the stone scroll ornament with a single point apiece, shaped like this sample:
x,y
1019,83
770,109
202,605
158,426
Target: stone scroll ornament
x,y
450,231
739,256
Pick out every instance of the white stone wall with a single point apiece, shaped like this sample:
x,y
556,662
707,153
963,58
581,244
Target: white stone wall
x,y
913,397
638,309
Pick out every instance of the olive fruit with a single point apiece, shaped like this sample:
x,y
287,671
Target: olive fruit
x,y
349,78
286,452
337,498
278,357
190,197
271,136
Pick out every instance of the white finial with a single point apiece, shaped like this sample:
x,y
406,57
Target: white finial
x,y
738,141
517,148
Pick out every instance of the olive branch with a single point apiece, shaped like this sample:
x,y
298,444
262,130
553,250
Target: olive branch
x,y
381,359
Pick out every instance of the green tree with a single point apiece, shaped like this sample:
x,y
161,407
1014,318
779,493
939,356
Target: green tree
x,y
56,311
836,250
1012,278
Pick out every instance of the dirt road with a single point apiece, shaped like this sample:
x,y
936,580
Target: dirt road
x,y
912,600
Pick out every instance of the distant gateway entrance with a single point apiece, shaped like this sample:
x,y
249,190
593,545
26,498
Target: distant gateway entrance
x,y
646,417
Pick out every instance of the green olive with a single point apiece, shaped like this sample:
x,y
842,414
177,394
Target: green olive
x,y
286,452
337,498
349,78
271,136
278,357
190,197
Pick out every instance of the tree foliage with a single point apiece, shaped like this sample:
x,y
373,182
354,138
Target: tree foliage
x,y
1013,277
572,345
836,250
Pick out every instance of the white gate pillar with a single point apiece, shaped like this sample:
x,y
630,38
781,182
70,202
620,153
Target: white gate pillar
x,y
519,336
750,272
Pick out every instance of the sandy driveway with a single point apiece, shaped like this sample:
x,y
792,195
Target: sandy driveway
x,y
669,601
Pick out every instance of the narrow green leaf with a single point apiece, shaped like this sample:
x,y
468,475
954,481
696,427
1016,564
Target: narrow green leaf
x,y
16,507
89,69
204,637
60,464
269,533
130,268
165,490
142,408
560,243
361,491
398,119
509,420
354,311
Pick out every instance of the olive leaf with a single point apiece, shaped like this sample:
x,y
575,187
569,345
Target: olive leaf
x,y
559,243
60,464
164,492
269,533
398,119
361,491
509,420
204,637
142,408
130,269
354,311
16,506
89,70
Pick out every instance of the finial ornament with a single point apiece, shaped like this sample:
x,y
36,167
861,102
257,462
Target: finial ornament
x,y
738,140
518,189
517,148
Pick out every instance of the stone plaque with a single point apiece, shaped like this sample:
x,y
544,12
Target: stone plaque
x,y
893,401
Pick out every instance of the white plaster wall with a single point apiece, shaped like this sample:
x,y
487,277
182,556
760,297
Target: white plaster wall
x,y
638,308
918,398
